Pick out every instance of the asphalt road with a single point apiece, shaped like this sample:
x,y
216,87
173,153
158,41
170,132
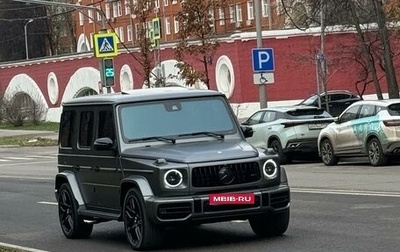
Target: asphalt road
x,y
350,207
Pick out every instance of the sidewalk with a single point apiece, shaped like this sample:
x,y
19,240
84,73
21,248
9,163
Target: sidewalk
x,y
35,133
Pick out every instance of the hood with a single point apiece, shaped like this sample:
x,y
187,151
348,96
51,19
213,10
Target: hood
x,y
195,152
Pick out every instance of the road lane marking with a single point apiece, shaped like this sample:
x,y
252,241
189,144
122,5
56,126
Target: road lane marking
x,y
33,162
48,203
7,245
345,192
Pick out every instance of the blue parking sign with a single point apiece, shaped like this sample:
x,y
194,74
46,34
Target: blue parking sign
x,y
263,59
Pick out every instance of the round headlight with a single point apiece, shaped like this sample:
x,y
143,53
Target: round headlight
x,y
173,178
270,169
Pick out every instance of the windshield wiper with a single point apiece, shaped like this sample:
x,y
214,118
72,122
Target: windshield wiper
x,y
159,138
207,133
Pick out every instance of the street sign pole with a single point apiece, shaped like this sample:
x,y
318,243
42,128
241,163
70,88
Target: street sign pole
x,y
262,87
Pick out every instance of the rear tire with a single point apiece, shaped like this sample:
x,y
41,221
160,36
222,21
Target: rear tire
x,y
327,155
72,225
270,224
375,153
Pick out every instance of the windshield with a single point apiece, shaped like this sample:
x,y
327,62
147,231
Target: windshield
x,y
309,101
175,118
308,114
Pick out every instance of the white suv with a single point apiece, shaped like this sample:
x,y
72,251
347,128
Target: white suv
x,y
289,130
365,128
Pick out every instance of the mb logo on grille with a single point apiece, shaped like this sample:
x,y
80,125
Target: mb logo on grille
x,y
226,175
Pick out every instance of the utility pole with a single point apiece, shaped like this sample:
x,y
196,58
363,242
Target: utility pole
x,y
262,87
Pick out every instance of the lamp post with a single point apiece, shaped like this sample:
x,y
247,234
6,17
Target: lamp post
x,y
26,37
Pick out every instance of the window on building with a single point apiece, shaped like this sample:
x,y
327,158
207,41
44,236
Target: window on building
x,y
129,32
81,18
232,14
166,2
167,26
127,7
239,13
136,31
264,8
279,8
211,16
121,34
108,11
174,1
176,25
221,15
119,8
98,13
156,4
91,40
86,129
250,10
115,9
90,16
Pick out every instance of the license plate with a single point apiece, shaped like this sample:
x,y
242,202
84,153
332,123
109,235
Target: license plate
x,y
231,199
316,126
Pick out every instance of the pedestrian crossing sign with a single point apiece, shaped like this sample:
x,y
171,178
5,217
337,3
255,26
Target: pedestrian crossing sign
x,y
105,45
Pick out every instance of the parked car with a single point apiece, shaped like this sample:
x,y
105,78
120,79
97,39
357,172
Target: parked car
x,y
338,101
289,130
365,128
153,158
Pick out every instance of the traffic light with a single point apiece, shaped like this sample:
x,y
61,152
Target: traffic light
x,y
108,69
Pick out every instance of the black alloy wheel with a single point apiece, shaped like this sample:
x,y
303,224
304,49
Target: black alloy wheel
x,y
72,225
141,233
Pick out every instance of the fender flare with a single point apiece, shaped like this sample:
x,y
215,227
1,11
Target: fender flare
x,y
71,179
140,182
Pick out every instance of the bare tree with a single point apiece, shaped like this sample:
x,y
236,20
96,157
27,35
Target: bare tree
x,y
142,10
358,15
196,38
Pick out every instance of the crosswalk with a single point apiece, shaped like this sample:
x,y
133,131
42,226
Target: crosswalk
x,y
25,158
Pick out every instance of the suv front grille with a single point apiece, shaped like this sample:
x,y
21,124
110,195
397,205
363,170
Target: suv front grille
x,y
209,176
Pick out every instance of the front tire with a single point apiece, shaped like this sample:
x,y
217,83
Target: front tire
x,y
141,233
270,224
277,147
72,225
327,155
375,153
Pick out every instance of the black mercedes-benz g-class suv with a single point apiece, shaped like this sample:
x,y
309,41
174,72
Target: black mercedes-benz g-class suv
x,y
159,157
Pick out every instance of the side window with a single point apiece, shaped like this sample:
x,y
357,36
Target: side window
x,y
269,116
255,119
350,114
67,128
367,110
336,97
86,129
106,125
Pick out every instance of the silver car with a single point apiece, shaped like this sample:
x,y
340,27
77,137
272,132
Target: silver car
x,y
366,128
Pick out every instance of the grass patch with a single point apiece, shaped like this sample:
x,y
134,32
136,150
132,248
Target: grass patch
x,y
46,126
6,249
27,140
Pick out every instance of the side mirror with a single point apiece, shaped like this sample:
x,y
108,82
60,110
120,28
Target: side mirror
x,y
104,143
247,131
336,120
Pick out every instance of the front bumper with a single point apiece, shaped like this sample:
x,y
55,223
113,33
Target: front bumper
x,y
196,209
